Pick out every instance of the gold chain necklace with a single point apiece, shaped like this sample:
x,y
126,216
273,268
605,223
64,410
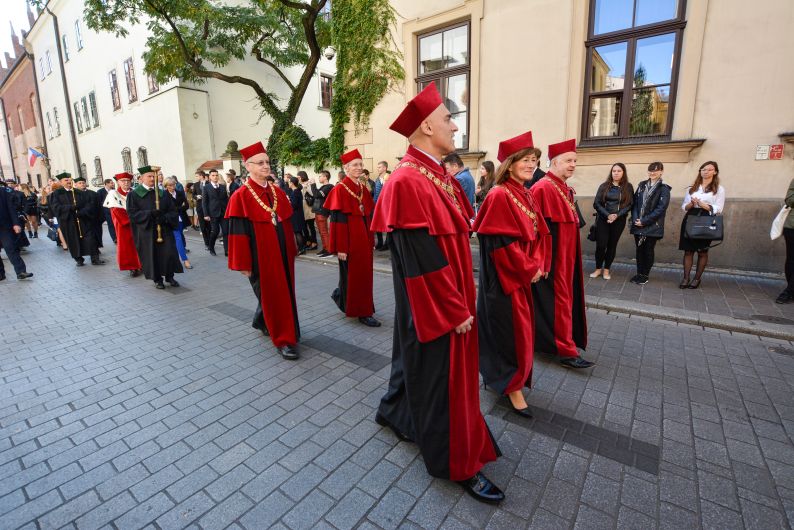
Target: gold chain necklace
x,y
435,180
358,197
571,205
272,211
523,208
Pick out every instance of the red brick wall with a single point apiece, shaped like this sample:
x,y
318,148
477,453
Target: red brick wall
x,y
16,93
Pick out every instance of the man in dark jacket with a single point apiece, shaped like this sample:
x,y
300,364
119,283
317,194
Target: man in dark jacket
x,y
10,227
102,194
75,214
98,209
215,198
198,196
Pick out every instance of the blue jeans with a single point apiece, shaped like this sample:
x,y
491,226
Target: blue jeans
x,y
180,245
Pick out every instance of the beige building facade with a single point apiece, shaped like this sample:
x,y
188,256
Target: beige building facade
x,y
678,81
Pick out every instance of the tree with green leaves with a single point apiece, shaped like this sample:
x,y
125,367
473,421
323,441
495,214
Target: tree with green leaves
x,y
197,40
642,121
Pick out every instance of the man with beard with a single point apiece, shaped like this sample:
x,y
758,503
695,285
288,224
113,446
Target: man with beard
x,y
433,395
75,213
351,206
153,229
262,248
116,202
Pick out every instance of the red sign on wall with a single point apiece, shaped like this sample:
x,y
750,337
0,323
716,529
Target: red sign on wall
x,y
776,152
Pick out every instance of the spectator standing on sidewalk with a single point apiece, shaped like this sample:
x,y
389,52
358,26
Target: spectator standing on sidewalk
x,y
295,195
704,197
10,227
486,182
380,180
612,204
309,230
321,213
198,197
787,296
647,219
454,166
31,209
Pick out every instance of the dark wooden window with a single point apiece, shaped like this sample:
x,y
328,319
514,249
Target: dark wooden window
x,y
126,159
326,91
444,58
143,157
86,116
114,90
129,77
154,86
633,55
78,34
78,117
97,167
93,107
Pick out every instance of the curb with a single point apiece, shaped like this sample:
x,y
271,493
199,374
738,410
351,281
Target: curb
x,y
681,316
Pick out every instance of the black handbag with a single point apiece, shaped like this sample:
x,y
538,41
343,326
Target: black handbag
x,y
309,198
582,222
704,227
591,235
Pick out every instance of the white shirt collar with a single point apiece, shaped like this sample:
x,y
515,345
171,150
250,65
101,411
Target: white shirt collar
x,y
428,155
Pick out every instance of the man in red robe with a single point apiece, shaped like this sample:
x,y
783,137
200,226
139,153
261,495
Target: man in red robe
x,y
116,201
262,247
560,322
433,396
351,206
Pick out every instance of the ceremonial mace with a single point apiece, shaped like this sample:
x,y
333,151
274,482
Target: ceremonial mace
x,y
74,201
157,202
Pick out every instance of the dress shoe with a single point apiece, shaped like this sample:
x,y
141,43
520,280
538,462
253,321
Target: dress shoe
x,y
159,285
695,284
289,352
684,284
784,298
135,273
576,362
23,275
80,263
383,422
2,277
173,283
482,489
369,321
97,261
642,280
323,254
634,278
212,253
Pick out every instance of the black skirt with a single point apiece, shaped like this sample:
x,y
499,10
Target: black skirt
x,y
692,245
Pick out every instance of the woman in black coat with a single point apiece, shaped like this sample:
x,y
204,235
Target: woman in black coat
x,y
295,194
647,219
612,204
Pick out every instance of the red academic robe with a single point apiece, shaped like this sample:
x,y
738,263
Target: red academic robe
x,y
560,321
126,254
268,251
513,249
433,393
350,233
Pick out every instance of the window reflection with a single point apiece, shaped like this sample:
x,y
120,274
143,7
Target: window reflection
x,y
655,59
649,108
612,15
608,67
604,116
652,11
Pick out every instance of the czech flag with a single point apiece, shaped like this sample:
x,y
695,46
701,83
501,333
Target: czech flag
x,y
33,155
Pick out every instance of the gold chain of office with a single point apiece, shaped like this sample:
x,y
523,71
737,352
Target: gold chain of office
x,y
523,208
571,204
435,180
359,197
272,211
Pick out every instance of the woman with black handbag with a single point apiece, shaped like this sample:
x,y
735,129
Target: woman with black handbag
x,y
612,204
704,197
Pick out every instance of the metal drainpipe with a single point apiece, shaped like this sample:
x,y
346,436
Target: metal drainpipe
x,y
41,114
69,116
8,137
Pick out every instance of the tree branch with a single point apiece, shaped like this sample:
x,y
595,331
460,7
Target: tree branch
x,y
261,58
297,5
206,32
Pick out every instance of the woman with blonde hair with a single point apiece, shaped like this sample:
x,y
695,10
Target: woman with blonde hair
x,y
31,209
515,252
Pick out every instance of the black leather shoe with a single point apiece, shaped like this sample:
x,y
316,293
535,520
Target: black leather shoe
x,y
80,263
784,298
289,352
173,283
524,413
369,321
23,275
2,277
97,261
159,285
482,489
383,422
212,253
576,362
135,273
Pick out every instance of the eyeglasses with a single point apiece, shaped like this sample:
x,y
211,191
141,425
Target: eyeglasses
x,y
260,163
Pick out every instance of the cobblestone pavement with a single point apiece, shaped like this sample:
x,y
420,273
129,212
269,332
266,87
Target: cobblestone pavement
x,y
126,407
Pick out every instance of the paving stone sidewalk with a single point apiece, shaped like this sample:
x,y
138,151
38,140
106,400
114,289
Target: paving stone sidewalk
x,y
126,407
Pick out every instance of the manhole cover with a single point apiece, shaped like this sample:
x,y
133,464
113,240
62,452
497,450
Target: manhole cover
x,y
781,350
773,319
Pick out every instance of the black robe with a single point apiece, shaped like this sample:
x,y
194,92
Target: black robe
x,y
157,259
99,215
75,214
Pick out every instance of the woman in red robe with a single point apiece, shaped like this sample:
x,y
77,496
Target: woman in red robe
x,y
116,201
351,206
262,247
514,254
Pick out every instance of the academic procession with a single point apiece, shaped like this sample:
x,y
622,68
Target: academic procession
x,y
461,338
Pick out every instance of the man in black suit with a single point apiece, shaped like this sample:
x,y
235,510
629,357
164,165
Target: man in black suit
x,y
10,228
105,216
198,194
538,173
215,198
233,181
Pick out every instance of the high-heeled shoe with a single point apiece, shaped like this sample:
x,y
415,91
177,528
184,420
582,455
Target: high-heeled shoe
x,y
695,284
596,273
684,284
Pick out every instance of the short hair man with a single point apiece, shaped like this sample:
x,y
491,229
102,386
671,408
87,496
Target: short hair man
x,y
215,197
455,167
116,201
75,213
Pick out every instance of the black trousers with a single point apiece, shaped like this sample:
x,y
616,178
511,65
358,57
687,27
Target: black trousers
x,y
788,235
310,232
204,226
8,241
607,237
218,225
645,254
109,220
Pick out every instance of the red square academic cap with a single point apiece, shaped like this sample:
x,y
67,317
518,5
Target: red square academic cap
x,y
514,145
125,175
562,147
251,150
350,156
417,110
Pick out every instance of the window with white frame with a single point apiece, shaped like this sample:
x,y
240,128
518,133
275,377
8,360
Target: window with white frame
x,y
97,167
126,159
114,89
143,157
78,118
49,127
57,121
65,47
78,34
129,77
93,107
49,61
154,86
86,116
